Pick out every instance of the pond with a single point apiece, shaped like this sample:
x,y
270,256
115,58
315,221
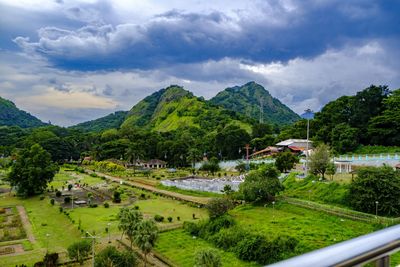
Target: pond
x,y
215,185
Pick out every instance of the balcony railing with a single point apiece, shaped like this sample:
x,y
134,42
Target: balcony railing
x,y
375,247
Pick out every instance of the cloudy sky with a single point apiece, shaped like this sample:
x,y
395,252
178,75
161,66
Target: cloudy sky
x,y
69,61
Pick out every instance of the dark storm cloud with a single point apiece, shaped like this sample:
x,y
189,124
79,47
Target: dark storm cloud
x,y
177,37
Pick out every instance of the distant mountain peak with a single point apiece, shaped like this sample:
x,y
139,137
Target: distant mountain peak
x,y
248,98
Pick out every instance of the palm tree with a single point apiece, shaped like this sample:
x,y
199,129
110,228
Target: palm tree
x,y
145,237
129,220
133,153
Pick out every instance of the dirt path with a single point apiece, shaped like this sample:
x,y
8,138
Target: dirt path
x,y
193,199
26,224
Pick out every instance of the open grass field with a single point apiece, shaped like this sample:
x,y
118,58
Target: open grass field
x,y
180,248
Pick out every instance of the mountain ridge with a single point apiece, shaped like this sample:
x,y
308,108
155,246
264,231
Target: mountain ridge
x,y
11,115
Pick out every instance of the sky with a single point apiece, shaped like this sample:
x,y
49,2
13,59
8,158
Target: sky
x,y
69,61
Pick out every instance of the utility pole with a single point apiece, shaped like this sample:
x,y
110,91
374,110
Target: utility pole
x,y
308,117
261,111
93,240
247,147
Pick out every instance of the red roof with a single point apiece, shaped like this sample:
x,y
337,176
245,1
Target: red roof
x,y
295,148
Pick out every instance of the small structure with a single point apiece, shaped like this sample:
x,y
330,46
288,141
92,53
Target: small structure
x,y
343,166
298,144
268,151
155,164
79,202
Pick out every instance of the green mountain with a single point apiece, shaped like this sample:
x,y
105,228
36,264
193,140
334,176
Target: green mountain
x,y
113,120
247,100
174,107
10,115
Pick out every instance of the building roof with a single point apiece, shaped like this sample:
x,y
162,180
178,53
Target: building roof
x,y
397,166
288,142
296,148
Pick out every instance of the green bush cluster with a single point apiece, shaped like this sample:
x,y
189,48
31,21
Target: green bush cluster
x,y
224,233
108,166
158,218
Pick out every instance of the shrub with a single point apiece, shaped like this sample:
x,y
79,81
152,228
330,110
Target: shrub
x,y
218,206
169,219
52,201
117,197
106,205
70,187
158,218
93,206
93,174
207,258
67,200
228,238
110,256
41,197
58,193
136,207
178,218
60,209
80,250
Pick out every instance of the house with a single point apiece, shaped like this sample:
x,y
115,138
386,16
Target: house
x,y
155,164
295,144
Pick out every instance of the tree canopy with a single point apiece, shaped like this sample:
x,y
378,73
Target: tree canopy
x,y
31,171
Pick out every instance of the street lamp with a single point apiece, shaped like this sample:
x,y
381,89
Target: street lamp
x,y
376,209
307,115
273,209
47,243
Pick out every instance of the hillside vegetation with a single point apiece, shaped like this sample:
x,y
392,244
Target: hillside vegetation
x,y
10,115
246,100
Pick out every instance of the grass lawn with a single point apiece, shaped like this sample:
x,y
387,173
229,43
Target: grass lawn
x,y
180,248
62,178
313,229
50,228
96,219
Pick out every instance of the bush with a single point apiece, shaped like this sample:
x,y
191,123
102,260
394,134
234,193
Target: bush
x,y
178,218
70,187
207,258
93,206
158,218
93,174
218,206
52,201
110,256
58,193
169,219
60,209
117,197
136,207
80,250
41,197
67,200
106,205
228,238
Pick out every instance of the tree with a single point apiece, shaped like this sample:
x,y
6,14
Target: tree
x,y
31,171
260,130
211,166
373,184
207,258
129,220
285,161
218,206
331,170
319,160
261,185
79,250
344,138
111,257
145,237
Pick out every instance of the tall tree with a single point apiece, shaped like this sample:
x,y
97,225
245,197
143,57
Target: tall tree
x,y
261,185
319,160
31,171
129,220
285,161
145,237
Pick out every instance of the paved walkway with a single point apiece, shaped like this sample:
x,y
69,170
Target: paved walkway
x,y
192,199
26,224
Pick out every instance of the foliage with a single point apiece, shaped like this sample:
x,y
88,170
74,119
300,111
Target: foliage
x,y
158,218
218,206
108,166
10,115
261,185
373,184
79,250
211,166
285,161
246,100
129,220
319,160
32,170
207,258
111,257
117,196
146,236
113,120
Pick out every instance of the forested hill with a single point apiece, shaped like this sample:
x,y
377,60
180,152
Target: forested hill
x,y
113,120
371,117
10,115
246,100
173,107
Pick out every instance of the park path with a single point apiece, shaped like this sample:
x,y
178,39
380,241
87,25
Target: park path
x,y
192,199
26,224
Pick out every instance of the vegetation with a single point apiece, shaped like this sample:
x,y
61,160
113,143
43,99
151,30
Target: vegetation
x,y
207,258
285,161
246,100
10,115
111,257
80,250
218,206
261,185
111,121
32,171
376,189
320,160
